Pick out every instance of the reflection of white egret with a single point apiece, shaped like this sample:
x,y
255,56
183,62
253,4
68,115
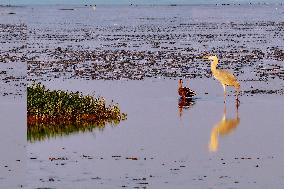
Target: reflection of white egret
x,y
224,77
223,127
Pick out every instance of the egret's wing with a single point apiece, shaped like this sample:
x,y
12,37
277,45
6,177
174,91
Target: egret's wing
x,y
226,77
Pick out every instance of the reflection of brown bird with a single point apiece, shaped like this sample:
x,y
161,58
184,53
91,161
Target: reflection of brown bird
x,y
184,103
223,127
185,92
224,77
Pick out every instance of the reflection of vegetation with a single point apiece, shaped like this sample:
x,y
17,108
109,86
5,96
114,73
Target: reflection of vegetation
x,y
52,113
44,131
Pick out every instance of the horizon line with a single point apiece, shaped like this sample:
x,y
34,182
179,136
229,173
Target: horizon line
x,y
148,4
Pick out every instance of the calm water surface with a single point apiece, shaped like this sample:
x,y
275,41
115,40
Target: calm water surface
x,y
176,146
161,145
12,142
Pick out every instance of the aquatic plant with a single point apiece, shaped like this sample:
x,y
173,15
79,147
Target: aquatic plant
x,y
55,111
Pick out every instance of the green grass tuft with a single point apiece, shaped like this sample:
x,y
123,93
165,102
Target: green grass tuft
x,y
55,111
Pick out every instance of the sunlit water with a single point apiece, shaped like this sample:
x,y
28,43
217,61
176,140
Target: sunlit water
x,y
12,102
12,142
161,145
176,146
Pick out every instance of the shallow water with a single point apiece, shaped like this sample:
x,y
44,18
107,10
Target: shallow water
x,y
159,145
125,42
176,147
13,142
12,99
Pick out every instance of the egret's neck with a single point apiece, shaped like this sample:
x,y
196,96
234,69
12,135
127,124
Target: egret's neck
x,y
214,65
180,84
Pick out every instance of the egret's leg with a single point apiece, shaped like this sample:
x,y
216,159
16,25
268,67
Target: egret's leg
x,y
224,86
237,107
237,97
237,91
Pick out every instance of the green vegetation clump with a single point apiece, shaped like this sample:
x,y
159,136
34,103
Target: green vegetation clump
x,y
55,112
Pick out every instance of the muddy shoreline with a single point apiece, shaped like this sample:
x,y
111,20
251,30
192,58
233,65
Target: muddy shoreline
x,y
146,49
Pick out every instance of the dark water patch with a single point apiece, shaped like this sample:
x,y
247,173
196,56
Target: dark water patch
x,y
67,9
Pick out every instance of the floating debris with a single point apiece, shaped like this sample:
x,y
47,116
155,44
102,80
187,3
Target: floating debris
x,y
132,158
67,9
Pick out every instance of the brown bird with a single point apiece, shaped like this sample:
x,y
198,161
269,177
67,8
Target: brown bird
x,y
185,92
224,77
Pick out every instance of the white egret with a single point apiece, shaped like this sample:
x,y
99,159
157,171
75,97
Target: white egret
x,y
224,77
